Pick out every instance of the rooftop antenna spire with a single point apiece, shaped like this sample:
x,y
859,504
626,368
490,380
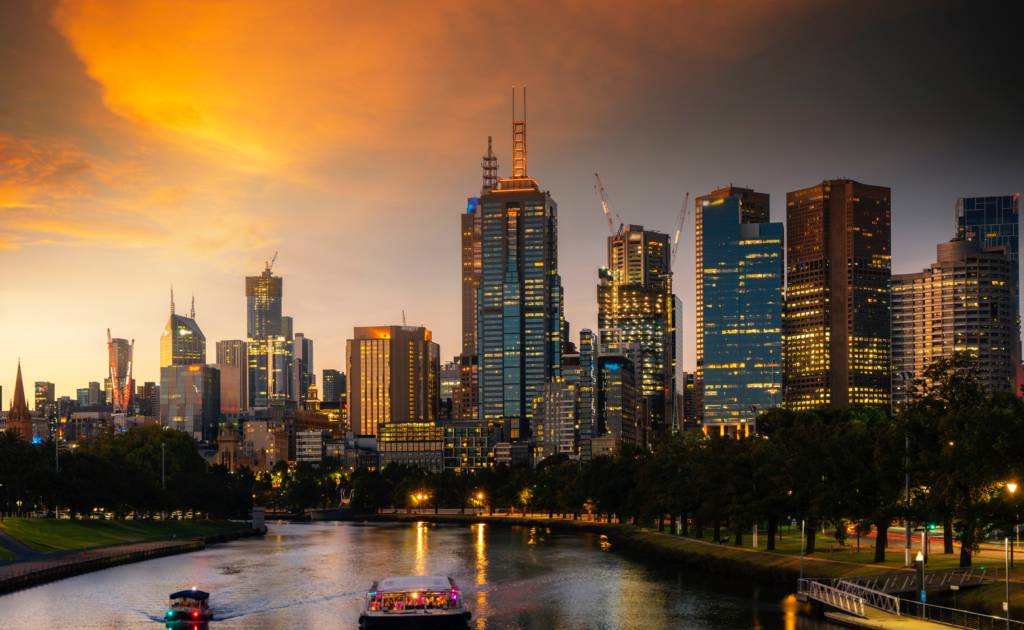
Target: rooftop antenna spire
x,y
193,313
490,166
172,299
518,138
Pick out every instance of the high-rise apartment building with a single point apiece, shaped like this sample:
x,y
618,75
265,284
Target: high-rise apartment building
x,y
553,426
519,315
263,295
304,373
838,261
466,394
151,396
754,208
395,374
743,327
991,222
334,386
966,301
96,396
635,296
82,396
44,395
234,352
190,399
182,343
585,402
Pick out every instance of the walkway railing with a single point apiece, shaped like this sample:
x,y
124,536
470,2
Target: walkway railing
x,y
846,602
958,618
933,580
16,578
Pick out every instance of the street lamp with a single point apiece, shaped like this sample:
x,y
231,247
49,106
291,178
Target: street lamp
x,y
905,376
1012,487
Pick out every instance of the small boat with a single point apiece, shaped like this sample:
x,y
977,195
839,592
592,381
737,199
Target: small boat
x,y
414,602
188,607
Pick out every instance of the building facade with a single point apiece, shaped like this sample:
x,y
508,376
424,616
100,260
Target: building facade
x,y
190,399
304,373
991,222
470,444
743,326
182,343
333,386
554,420
411,444
263,295
234,352
395,374
838,257
617,407
635,296
755,207
519,314
966,301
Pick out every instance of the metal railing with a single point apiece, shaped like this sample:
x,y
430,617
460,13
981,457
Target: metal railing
x,y
871,597
907,581
958,618
844,601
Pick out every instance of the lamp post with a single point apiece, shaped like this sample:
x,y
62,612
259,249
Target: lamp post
x,y
1012,487
803,525
904,377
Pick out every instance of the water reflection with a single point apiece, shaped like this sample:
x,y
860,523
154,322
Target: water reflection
x,y
316,576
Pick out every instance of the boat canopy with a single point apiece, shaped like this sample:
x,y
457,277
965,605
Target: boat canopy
x,y
191,594
417,584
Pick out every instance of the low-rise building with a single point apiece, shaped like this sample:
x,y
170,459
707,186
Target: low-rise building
x,y
310,446
606,445
411,444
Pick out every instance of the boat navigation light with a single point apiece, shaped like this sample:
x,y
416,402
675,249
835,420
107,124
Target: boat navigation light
x,y
195,613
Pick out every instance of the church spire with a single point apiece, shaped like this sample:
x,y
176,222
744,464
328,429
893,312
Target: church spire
x,y
18,417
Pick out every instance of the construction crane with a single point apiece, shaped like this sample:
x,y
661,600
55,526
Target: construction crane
x,y
607,210
403,317
270,265
680,224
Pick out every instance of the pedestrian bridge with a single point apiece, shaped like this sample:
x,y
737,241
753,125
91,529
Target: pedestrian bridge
x,y
875,598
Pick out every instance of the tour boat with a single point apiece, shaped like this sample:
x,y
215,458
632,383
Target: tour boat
x,y
414,602
189,607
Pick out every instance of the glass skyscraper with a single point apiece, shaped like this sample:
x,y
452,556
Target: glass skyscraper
x,y
992,221
742,288
519,314
263,326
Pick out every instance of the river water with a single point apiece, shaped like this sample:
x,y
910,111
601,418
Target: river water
x,y
315,575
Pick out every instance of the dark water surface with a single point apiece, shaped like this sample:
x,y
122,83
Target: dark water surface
x,y
314,575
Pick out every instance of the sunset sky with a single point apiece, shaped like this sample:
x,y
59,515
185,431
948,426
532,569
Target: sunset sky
x,y
147,143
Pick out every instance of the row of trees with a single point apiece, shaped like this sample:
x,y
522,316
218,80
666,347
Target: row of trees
x,y
142,472
843,467
959,445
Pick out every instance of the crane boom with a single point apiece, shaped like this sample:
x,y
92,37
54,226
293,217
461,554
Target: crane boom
x,y
270,265
680,224
607,209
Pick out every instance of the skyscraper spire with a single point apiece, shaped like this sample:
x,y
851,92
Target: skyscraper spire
x,y
193,313
490,166
518,138
172,299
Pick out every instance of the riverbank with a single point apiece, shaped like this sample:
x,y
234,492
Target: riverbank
x,y
771,567
50,535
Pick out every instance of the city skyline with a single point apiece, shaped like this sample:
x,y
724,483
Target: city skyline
x,y
117,165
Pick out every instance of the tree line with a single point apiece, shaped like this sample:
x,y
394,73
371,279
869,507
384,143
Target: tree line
x,y
847,468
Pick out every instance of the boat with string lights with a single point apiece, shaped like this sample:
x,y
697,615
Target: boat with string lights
x,y
414,602
189,607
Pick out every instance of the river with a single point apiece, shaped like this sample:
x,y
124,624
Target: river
x,y
314,575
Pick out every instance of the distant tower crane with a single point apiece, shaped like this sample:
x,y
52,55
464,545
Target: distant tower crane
x,y
270,265
680,224
607,210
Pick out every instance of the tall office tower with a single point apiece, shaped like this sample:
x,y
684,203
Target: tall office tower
x,y
677,367
553,423
263,323
235,353
333,385
61,404
82,396
471,269
304,373
467,404
451,376
965,301
182,343
119,360
616,407
520,297
44,395
693,400
395,373
190,399
151,392
96,394
754,208
585,411
635,296
743,330
837,348
19,418
281,358
991,222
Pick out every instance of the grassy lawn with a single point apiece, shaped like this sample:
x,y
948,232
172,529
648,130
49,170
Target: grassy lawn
x,y
52,535
7,555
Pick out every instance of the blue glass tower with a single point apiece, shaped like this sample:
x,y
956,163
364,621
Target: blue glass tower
x,y
519,313
991,221
742,283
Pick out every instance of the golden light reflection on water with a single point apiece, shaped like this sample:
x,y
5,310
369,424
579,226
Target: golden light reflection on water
x,y
790,608
481,570
421,548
